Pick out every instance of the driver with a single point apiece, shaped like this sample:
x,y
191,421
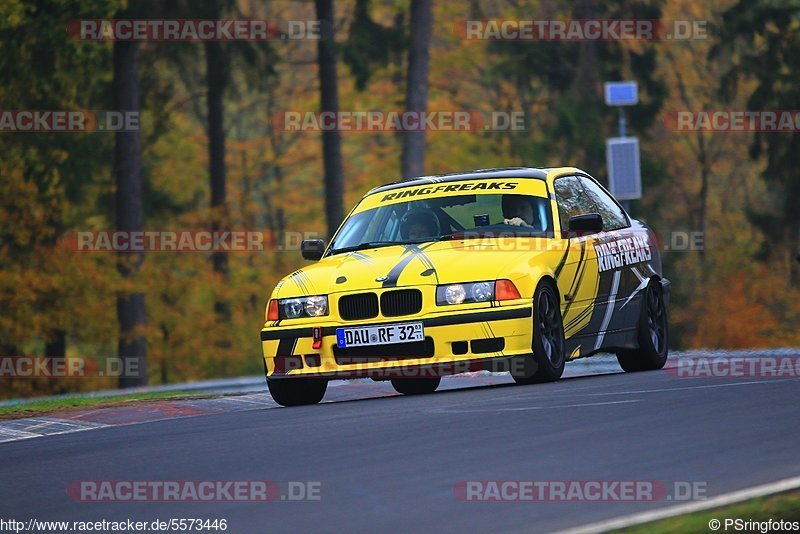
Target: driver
x,y
517,210
419,224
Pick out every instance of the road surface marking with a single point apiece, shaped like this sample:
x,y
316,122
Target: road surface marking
x,y
526,408
688,508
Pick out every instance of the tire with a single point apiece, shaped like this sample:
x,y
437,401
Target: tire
x,y
297,391
415,386
546,363
653,334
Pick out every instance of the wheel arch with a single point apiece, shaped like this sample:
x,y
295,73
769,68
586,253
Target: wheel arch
x,y
548,278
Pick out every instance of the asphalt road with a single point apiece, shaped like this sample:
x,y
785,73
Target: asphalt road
x,y
391,463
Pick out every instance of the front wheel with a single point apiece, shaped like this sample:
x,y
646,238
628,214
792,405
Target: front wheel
x,y
546,364
415,386
653,330
297,391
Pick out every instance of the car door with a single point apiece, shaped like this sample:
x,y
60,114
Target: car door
x,y
576,274
619,255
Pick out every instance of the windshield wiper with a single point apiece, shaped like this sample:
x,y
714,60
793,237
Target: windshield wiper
x,y
461,234
366,245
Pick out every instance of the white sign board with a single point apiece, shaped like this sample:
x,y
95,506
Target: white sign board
x,y
624,172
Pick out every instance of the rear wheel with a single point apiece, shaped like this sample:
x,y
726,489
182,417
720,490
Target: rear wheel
x,y
415,386
653,334
297,391
546,364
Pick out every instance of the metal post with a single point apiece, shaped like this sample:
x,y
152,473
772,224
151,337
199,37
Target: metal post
x,y
626,204
621,94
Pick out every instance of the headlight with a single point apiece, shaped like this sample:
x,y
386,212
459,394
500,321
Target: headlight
x,y
455,294
315,306
292,308
482,291
465,293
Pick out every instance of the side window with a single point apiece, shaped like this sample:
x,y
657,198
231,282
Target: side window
x,y
571,200
613,216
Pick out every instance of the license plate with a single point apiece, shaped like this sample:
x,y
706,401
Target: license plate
x,y
379,335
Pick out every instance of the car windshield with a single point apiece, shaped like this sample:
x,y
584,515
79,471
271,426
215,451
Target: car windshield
x,y
447,217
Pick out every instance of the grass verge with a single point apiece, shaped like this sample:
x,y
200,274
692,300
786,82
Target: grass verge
x,y
783,506
50,406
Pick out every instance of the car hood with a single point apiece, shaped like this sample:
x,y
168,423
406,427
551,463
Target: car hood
x,y
434,263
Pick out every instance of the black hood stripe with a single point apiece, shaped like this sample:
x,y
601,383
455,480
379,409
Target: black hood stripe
x,y
411,252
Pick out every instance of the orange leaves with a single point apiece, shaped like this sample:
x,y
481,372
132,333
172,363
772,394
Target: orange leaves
x,y
743,310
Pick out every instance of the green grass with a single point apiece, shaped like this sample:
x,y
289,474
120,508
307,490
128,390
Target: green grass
x,y
785,506
38,408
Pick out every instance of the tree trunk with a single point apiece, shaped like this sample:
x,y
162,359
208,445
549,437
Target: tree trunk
x,y
794,271
705,174
216,81
56,344
413,163
585,88
131,312
331,140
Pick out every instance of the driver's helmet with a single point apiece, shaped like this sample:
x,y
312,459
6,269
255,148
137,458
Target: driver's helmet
x,y
418,224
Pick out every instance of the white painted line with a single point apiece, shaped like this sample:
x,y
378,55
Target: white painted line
x,y
707,386
46,425
688,508
526,408
43,424
7,434
534,394
237,399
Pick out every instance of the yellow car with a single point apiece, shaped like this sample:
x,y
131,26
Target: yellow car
x,y
517,269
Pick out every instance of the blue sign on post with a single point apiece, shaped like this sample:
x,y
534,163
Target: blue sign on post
x,y
622,153
621,93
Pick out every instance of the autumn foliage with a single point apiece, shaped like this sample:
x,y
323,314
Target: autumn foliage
x,y
736,291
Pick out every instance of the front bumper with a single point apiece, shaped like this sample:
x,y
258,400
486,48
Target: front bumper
x,y
456,342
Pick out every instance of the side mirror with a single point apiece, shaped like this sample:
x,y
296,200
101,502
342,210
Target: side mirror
x,y
581,225
312,249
